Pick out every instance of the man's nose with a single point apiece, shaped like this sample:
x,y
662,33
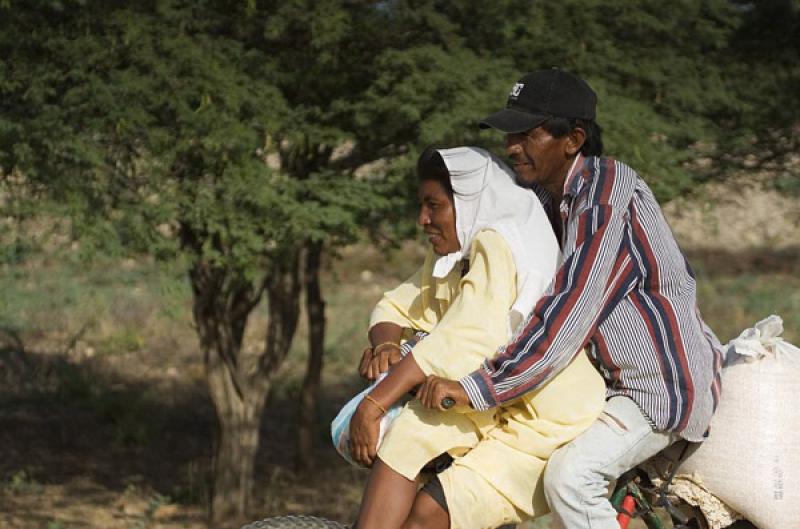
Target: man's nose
x,y
512,144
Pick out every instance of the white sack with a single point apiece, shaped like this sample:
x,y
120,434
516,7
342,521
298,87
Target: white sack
x,y
751,459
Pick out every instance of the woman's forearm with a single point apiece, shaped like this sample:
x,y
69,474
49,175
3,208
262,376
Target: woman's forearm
x,y
404,376
385,332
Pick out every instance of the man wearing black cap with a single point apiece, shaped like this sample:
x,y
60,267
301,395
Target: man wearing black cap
x,y
624,289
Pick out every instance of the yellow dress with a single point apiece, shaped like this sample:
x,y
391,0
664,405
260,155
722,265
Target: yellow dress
x,y
505,449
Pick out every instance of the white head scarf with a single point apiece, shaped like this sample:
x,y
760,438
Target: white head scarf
x,y
487,197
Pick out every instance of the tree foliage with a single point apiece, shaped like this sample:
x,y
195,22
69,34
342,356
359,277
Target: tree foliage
x,y
248,136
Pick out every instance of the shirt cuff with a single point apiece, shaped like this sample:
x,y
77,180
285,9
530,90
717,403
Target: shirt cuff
x,y
478,386
409,344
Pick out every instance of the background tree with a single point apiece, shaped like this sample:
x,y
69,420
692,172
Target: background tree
x,y
151,125
372,81
186,130
250,139
766,74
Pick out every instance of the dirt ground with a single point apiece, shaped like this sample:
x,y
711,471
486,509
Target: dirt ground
x,y
120,442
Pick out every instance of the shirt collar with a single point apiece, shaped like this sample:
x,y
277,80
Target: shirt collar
x,y
572,182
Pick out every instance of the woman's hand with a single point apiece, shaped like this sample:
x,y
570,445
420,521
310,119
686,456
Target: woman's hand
x,y
375,361
366,361
364,431
435,389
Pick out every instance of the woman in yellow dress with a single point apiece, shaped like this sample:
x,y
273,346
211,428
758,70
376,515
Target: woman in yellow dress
x,y
492,255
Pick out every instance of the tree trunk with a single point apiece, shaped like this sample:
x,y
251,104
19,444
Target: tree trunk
x,y
315,308
239,381
237,446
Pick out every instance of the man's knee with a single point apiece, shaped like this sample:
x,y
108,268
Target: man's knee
x,y
565,477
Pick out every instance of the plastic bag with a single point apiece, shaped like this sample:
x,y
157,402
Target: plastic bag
x,y
340,427
762,341
751,459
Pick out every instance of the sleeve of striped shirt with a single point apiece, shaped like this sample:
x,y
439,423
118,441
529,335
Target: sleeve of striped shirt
x,y
561,323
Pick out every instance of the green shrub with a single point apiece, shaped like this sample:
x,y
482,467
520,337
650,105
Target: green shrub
x,y
22,483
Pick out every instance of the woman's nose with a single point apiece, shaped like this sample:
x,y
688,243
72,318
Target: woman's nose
x,y
423,218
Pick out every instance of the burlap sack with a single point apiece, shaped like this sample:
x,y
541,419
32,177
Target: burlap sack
x,y
751,459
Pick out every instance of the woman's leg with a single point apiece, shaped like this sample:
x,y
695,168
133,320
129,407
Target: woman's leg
x,y
387,501
416,437
426,513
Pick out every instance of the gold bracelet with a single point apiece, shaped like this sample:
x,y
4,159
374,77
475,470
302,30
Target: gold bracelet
x,y
376,403
375,350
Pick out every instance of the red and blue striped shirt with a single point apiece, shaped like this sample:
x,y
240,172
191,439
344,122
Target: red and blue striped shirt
x,y
624,289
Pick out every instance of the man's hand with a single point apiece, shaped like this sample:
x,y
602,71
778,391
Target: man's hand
x,y
374,362
435,389
364,431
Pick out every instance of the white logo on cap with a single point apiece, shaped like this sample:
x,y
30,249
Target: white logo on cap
x,y
516,89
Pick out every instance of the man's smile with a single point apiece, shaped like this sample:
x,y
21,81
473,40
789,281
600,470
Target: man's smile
x,y
521,162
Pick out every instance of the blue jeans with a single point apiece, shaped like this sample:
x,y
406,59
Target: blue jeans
x,y
578,475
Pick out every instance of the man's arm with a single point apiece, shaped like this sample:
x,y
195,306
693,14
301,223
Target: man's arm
x,y
588,284
476,322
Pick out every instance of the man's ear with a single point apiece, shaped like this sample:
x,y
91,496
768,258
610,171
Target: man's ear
x,y
575,140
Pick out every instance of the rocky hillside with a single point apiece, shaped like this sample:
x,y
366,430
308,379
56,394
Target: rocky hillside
x,y
740,215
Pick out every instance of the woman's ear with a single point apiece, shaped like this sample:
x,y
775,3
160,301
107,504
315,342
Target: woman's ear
x,y
575,140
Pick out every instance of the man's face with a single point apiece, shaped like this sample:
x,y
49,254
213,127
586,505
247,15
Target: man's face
x,y
539,158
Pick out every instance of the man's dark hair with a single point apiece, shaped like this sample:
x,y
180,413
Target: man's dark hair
x,y
431,166
560,127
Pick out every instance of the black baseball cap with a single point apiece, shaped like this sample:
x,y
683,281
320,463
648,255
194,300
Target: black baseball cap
x,y
541,95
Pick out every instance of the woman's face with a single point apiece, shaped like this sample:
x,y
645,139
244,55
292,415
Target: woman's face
x,y
437,216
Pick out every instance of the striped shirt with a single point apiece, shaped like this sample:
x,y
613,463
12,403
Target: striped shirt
x,y
625,289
